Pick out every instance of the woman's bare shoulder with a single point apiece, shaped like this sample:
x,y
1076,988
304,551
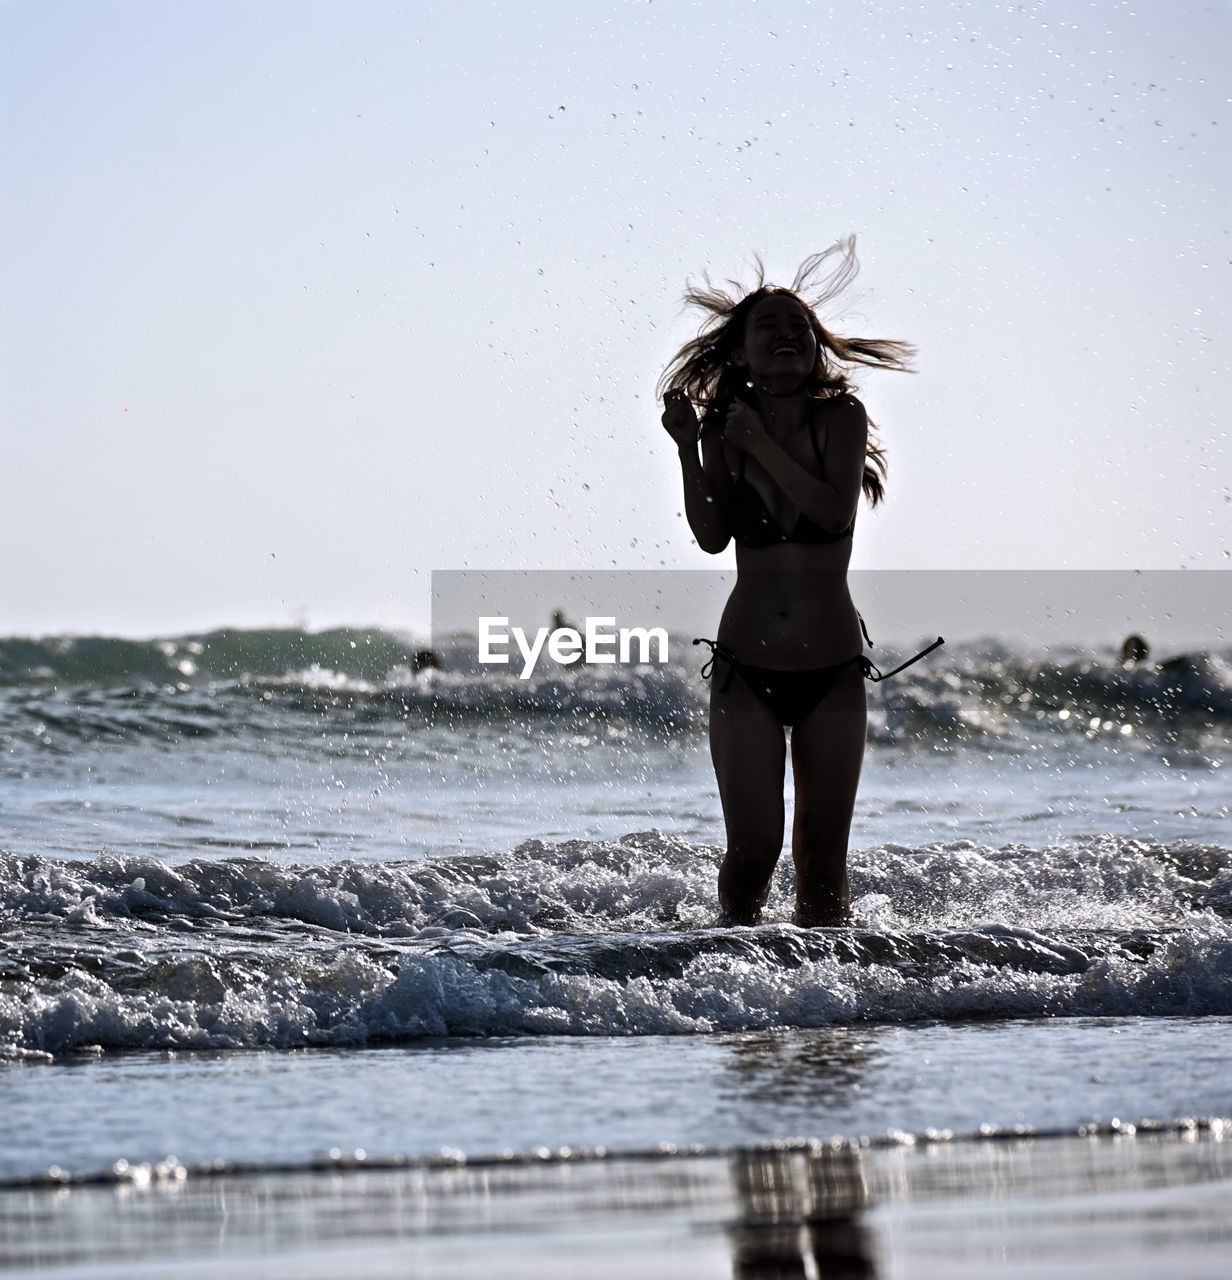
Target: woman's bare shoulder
x,y
844,411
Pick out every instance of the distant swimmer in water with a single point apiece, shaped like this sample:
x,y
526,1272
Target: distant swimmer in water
x,y
1134,649
786,451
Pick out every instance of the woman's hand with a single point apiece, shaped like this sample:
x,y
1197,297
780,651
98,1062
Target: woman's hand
x,y
680,419
744,427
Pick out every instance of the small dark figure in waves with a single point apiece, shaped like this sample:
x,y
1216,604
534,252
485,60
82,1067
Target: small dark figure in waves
x,y
786,451
1134,650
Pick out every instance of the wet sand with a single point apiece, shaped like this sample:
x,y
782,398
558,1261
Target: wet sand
x,y
1142,1203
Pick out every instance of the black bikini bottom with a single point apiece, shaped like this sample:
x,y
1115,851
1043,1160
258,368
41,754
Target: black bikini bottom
x,y
790,696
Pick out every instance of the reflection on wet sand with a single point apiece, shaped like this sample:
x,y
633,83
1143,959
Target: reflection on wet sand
x,y
819,1068
798,1208
1137,1200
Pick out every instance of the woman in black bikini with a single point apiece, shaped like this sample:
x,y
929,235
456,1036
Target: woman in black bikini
x,y
785,452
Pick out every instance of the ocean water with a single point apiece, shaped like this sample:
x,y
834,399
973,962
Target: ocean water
x,y
272,899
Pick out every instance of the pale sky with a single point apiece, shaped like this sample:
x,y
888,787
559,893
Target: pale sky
x,y
302,301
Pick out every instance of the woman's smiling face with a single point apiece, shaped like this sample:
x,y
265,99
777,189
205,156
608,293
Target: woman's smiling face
x,y
779,341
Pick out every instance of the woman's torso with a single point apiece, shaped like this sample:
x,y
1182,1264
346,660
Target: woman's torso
x,y
790,607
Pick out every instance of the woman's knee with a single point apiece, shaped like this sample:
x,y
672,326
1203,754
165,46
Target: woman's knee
x,y
754,844
821,825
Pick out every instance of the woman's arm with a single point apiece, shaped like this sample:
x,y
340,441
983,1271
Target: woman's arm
x,y
703,478
830,503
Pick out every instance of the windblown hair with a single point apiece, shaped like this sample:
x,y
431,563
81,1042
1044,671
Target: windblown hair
x,y
703,367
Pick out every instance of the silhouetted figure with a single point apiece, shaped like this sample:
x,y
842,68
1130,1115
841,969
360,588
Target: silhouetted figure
x,y
1134,649
424,660
786,451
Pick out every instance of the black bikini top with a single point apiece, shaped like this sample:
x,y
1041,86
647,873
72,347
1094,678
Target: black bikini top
x,y
751,523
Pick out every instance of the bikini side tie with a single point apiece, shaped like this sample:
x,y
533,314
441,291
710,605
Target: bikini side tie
x,y
718,650
871,672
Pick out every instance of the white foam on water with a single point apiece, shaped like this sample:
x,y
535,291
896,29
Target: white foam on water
x,y
595,938
285,999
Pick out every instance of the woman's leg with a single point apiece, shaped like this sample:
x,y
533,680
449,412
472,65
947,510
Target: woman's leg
x,y
749,750
827,752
